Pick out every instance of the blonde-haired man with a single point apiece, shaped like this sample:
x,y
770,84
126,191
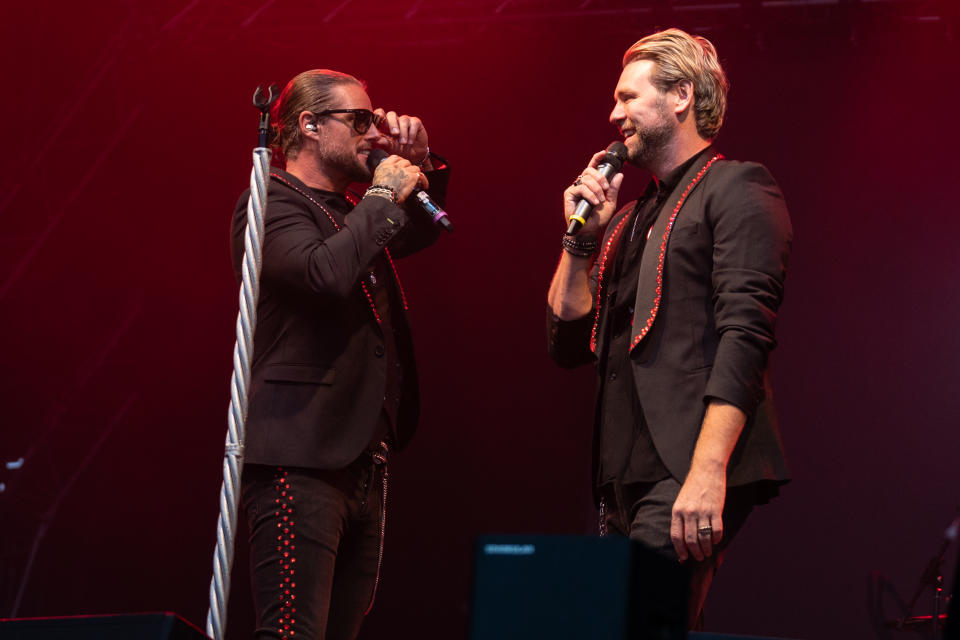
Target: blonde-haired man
x,y
674,297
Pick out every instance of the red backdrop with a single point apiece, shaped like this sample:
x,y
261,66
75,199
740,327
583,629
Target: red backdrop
x,y
128,137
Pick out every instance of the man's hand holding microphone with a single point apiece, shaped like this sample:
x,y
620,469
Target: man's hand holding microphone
x,y
590,202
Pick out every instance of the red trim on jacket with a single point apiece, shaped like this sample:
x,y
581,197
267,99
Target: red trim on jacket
x,y
663,253
607,248
396,274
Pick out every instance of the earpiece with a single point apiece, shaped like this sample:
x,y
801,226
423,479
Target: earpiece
x,y
310,126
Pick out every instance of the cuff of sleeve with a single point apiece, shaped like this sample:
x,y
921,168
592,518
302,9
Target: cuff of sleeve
x,y
572,328
439,163
737,376
569,340
378,218
439,178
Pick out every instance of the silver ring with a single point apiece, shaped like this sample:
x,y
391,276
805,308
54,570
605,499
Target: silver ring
x,y
705,531
578,181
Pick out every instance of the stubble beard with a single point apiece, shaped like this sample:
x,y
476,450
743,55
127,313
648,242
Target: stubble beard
x,y
650,141
343,161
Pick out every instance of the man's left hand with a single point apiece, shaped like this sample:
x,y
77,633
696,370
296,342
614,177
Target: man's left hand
x,y
403,135
697,523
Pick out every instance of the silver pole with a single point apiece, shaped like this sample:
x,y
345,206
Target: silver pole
x,y
237,416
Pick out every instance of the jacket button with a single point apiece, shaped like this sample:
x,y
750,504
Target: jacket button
x,y
378,351
613,375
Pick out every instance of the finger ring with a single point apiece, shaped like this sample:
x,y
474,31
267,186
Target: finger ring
x,y
578,181
705,531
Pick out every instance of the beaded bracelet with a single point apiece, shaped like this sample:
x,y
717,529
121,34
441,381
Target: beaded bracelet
x,y
382,191
580,248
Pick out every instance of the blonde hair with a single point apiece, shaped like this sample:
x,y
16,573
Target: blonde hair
x,y
678,56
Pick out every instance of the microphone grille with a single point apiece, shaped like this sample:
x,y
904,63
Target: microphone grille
x,y
616,154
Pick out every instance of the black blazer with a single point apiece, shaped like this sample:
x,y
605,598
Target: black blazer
x,y
319,369
711,282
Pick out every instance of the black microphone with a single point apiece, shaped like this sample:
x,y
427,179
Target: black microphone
x,y
616,154
376,156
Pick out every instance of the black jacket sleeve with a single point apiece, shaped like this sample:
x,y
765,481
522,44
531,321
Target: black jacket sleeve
x,y
568,341
304,254
752,237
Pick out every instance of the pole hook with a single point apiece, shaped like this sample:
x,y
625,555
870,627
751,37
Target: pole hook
x,y
263,103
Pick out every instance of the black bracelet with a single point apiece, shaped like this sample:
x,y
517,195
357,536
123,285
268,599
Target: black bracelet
x,y
583,248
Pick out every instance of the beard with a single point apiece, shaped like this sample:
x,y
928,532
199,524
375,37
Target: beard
x,y
650,140
342,160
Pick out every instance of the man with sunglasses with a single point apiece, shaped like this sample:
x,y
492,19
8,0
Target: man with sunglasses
x,y
334,383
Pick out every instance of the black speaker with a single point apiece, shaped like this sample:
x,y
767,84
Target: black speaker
x,y
139,626
575,587
700,635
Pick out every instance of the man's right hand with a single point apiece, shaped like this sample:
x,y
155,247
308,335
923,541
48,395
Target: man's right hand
x,y
598,191
400,175
570,296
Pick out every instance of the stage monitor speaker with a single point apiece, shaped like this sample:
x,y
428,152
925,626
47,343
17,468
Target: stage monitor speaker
x,y
139,626
700,635
575,587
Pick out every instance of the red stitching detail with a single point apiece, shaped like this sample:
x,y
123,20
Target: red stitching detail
x,y
285,539
373,306
663,252
403,296
306,195
603,265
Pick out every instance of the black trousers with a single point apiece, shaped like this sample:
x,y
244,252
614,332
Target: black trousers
x,y
315,545
643,512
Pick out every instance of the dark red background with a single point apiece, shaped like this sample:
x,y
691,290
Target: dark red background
x,y
128,137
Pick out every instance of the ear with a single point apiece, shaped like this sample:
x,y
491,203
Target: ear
x,y
683,96
308,124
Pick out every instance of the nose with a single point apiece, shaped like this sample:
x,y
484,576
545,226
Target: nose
x,y
618,114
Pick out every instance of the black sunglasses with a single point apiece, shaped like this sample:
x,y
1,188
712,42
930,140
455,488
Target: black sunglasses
x,y
362,118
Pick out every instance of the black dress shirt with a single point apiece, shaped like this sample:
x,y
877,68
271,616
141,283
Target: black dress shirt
x,y
627,452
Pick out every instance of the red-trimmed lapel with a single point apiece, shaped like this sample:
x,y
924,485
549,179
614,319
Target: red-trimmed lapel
x,y
650,285
606,255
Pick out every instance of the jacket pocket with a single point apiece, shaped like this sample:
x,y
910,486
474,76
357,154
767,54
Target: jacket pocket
x,y
298,373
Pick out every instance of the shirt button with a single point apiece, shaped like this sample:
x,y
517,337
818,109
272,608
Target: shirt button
x,y
378,351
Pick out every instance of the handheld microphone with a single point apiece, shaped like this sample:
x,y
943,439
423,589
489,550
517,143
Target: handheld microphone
x,y
428,204
616,154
